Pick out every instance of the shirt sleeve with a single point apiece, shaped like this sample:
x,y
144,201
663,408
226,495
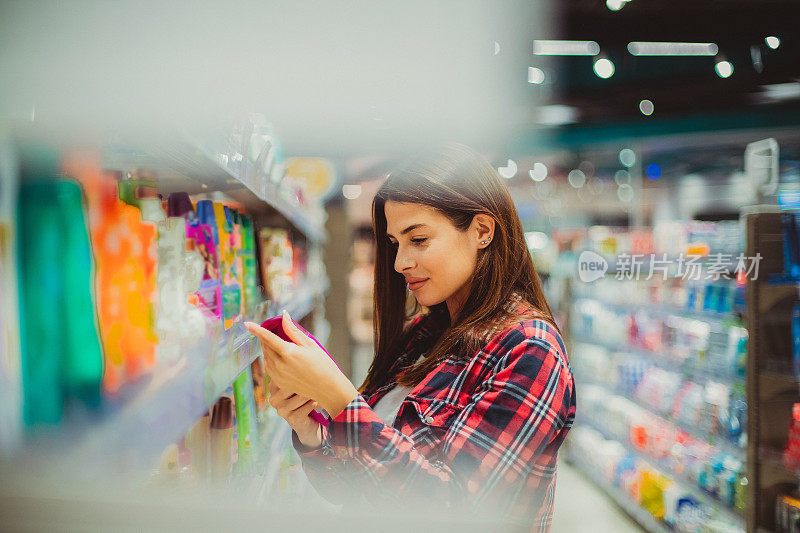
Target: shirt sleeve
x,y
489,448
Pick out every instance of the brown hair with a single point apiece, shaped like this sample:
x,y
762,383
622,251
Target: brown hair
x,y
460,184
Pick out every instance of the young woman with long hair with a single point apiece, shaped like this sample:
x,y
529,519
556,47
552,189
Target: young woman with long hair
x,y
470,393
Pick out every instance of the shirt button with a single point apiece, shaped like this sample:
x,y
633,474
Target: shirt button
x,y
428,420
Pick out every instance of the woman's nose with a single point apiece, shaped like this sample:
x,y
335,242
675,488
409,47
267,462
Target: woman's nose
x,y
402,261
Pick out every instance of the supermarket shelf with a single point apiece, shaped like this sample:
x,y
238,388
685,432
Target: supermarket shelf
x,y
708,499
182,166
631,508
166,407
280,441
702,435
774,457
706,315
691,371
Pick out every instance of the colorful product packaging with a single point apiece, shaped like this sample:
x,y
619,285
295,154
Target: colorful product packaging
x,y
276,262
125,250
61,360
247,434
250,293
204,232
230,286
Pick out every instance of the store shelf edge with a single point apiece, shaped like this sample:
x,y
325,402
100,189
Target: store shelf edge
x,y
177,397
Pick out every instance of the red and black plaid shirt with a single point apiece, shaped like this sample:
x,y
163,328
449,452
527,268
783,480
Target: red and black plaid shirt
x,y
478,435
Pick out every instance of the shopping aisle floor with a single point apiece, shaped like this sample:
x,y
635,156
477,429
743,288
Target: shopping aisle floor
x,y
580,506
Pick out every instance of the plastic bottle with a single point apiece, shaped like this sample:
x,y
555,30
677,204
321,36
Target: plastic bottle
x,y
250,293
141,212
237,242
221,440
123,248
60,358
180,206
204,232
82,369
231,290
243,396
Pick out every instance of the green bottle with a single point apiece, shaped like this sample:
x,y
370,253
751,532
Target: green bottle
x,y
82,367
249,266
245,419
61,354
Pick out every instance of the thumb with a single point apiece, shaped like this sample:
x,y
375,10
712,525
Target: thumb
x,y
294,332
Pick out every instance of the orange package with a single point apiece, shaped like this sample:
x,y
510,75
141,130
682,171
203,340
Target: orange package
x,y
125,251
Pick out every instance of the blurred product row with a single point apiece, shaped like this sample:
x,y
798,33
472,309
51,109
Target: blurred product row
x,y
122,318
660,359
687,367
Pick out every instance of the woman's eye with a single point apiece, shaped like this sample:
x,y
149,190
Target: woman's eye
x,y
419,241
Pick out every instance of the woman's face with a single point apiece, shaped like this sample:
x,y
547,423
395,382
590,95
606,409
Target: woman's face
x,y
436,258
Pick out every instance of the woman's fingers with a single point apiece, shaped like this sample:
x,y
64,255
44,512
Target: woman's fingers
x,y
294,402
268,338
287,401
306,408
281,395
294,332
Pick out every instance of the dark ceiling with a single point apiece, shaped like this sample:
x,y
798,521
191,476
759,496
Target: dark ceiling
x,y
676,85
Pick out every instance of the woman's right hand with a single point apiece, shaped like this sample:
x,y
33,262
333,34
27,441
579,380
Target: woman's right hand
x,y
295,410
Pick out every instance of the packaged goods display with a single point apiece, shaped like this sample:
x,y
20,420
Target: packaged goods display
x,y
659,351
149,350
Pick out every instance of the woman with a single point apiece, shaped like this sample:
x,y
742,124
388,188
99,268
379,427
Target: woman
x,y
466,406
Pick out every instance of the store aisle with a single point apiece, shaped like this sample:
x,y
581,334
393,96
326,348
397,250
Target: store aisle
x,y
579,502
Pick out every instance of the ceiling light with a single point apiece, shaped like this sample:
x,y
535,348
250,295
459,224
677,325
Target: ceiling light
x,y
557,115
535,75
566,48
508,171
604,68
616,5
351,192
576,178
622,177
627,157
538,172
781,91
646,107
724,68
755,57
773,42
643,48
625,193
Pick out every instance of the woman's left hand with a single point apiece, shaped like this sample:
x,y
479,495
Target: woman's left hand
x,y
303,367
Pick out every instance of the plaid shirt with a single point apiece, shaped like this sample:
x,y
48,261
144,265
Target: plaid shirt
x,y
478,436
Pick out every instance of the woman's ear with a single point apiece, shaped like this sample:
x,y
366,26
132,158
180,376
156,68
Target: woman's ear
x,y
483,226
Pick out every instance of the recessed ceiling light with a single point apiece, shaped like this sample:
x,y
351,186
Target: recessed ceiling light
x,y
604,68
566,48
773,42
645,48
535,75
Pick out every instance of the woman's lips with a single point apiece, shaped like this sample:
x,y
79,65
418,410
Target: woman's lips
x,y
417,284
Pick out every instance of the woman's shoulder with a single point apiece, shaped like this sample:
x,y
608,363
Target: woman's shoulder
x,y
532,329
